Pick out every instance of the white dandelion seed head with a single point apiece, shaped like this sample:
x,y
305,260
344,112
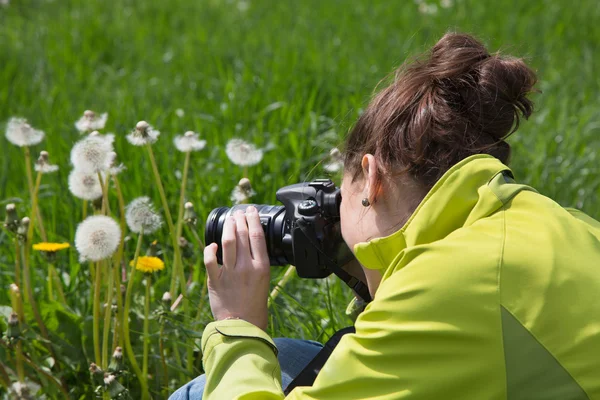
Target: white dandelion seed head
x,y
20,133
243,153
24,390
11,207
91,154
112,164
85,185
14,288
336,161
166,297
43,164
179,112
446,3
25,221
188,205
97,238
242,192
90,121
190,141
140,214
143,134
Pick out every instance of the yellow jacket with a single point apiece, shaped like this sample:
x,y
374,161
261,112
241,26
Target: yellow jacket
x,y
489,291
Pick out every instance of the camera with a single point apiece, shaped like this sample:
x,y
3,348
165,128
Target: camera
x,y
304,231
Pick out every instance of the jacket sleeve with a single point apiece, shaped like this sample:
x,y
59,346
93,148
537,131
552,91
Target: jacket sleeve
x,y
426,335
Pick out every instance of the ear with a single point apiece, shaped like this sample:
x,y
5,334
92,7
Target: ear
x,y
369,169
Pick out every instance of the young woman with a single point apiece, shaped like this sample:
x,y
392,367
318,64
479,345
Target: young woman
x,y
482,288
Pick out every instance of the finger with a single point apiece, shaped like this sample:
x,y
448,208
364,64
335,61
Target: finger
x,y
228,243
210,262
258,244
241,238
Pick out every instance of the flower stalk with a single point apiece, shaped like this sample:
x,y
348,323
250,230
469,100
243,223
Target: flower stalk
x,y
107,316
96,325
146,324
126,337
282,282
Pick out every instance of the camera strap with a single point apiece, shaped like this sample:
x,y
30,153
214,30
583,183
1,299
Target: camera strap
x,y
308,375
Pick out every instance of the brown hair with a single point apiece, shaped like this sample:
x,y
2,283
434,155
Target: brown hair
x,y
455,101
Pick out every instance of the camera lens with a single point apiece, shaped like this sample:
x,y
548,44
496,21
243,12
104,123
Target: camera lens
x,y
272,219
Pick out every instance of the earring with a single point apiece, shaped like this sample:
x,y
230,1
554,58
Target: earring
x,y
365,202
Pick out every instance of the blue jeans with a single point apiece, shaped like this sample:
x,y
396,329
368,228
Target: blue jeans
x,y
293,356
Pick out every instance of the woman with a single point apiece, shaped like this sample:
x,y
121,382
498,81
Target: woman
x,y
483,288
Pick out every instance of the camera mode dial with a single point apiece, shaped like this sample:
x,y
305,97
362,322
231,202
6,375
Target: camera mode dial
x,y
308,208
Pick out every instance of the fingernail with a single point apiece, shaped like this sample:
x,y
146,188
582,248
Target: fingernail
x,y
239,212
251,210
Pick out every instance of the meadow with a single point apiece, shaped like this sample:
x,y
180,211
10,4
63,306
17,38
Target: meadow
x,y
290,77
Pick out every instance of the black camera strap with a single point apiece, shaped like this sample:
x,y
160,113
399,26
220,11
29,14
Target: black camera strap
x,y
355,284
308,375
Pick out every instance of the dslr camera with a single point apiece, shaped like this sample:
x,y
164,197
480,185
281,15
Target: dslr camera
x,y
304,231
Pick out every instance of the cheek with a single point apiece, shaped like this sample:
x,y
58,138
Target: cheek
x,y
347,223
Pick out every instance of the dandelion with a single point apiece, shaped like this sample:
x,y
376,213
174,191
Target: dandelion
x,y
20,133
116,363
50,247
189,215
97,237
140,215
143,134
180,112
85,185
115,389
190,141
428,9
243,153
242,192
43,165
148,264
91,153
336,161
90,121
166,297
11,221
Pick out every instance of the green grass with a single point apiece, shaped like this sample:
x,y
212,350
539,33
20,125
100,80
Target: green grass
x,y
292,73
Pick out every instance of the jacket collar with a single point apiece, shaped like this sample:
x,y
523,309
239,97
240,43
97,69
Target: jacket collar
x,y
457,199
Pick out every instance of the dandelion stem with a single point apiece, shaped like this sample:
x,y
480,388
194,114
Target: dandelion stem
x,y
119,259
17,263
84,210
31,300
186,165
34,207
161,347
126,337
49,281
96,333
33,194
17,306
146,324
173,232
107,315
104,194
49,377
54,275
286,277
4,378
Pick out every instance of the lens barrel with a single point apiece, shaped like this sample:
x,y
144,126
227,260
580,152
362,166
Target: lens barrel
x,y
272,219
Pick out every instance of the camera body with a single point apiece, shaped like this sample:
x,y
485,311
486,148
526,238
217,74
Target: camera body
x,y
304,232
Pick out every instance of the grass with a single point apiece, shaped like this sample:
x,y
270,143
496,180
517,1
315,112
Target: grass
x,y
290,74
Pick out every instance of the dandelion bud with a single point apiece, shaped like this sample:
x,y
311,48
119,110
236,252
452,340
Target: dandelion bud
x,y
13,331
14,288
89,114
116,363
115,389
141,126
11,222
189,215
245,184
97,374
123,289
140,215
166,298
22,229
187,251
43,164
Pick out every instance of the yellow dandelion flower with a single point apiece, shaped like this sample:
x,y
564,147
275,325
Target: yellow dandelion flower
x,y
50,247
148,264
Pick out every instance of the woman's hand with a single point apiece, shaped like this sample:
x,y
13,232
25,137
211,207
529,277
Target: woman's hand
x,y
240,287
